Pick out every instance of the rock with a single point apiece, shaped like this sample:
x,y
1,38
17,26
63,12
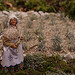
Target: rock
x,y
58,14
11,12
47,13
5,12
24,14
30,12
0,36
68,56
17,13
36,13
41,13
0,55
53,14
24,55
63,51
1,15
74,56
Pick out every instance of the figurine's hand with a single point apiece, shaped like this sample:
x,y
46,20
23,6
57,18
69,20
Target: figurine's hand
x,y
14,46
21,38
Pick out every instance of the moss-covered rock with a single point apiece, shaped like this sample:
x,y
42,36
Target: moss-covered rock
x,y
44,65
32,61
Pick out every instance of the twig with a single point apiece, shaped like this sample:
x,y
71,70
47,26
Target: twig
x,y
33,46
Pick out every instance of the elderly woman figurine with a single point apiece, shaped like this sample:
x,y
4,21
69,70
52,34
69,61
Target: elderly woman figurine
x,y
12,58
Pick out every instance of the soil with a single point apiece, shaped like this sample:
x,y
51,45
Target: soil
x,y
59,27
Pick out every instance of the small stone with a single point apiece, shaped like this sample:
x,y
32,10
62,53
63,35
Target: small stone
x,y
47,13
1,36
58,14
24,14
11,11
0,55
30,12
1,15
36,13
24,54
68,56
74,57
41,13
17,13
5,12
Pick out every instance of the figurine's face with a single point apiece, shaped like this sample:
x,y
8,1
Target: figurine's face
x,y
13,22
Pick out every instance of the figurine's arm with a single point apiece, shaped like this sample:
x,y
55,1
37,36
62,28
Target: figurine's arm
x,y
7,42
18,42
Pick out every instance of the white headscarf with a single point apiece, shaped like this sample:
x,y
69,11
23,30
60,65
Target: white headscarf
x,y
11,16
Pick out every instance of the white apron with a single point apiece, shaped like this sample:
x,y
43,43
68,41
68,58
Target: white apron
x,y
11,57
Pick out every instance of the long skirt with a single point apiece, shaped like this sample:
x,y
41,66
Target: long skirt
x,y
12,69
12,57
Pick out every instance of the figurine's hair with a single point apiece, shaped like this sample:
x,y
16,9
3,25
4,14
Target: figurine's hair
x,y
11,19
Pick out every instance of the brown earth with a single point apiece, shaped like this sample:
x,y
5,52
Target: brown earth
x,y
59,27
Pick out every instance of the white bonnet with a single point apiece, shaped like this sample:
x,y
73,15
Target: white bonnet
x,y
11,16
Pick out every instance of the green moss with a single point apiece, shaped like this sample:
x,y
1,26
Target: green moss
x,y
32,61
21,73
70,9
41,69
55,63
2,6
52,69
45,64
1,73
41,65
63,3
38,5
64,66
33,72
71,63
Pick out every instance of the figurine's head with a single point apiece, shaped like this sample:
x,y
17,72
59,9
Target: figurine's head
x,y
13,21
